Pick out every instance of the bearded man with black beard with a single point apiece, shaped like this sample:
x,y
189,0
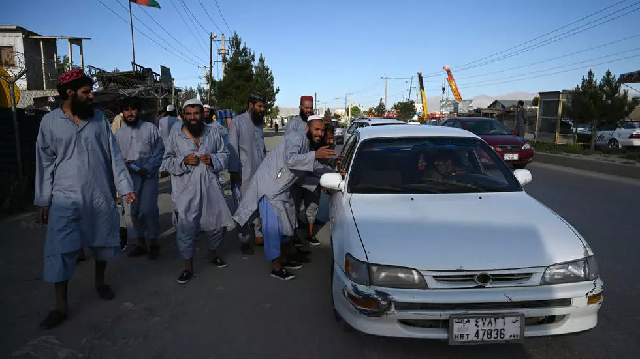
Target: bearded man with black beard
x,y
194,157
142,148
246,152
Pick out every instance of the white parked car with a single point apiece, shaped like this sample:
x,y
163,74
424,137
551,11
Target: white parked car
x,y
367,122
625,134
429,242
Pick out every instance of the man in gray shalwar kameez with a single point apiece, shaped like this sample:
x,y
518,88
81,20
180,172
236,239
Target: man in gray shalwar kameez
x,y
194,157
142,148
78,170
246,151
270,192
298,125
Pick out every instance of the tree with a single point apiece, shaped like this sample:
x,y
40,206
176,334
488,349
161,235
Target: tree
x,y
62,64
234,89
327,115
275,112
405,110
600,103
263,82
370,112
535,101
355,111
202,93
381,109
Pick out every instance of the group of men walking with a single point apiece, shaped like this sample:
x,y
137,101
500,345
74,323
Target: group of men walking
x,y
84,168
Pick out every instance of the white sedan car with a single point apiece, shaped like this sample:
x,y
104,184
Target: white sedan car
x,y
428,242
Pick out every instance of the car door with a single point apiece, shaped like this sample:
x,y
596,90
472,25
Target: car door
x,y
339,211
605,133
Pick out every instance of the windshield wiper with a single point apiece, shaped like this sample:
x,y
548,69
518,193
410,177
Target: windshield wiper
x,y
457,183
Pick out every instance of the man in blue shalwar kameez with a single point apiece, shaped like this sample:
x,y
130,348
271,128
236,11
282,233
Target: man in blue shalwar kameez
x,y
78,170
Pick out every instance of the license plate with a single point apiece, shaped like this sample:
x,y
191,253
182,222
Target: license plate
x,y
511,156
491,328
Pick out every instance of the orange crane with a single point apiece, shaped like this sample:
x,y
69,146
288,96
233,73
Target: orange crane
x,y
452,83
425,112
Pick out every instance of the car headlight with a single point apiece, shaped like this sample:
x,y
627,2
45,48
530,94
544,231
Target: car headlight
x,y
383,276
357,271
526,146
396,277
577,271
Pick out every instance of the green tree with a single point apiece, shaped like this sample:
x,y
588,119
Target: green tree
x,y
263,82
202,93
355,111
62,64
535,101
600,103
275,112
327,115
405,110
381,109
233,90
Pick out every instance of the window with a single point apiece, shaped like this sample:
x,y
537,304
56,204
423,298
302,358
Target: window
x,y
347,151
7,56
631,125
457,124
489,127
431,165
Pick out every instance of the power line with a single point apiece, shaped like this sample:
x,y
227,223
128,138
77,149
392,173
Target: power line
x,y
468,65
153,32
554,39
554,58
147,36
194,17
557,67
210,18
223,19
165,30
638,91
188,28
557,72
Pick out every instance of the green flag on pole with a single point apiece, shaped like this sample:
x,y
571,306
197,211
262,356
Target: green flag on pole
x,y
150,3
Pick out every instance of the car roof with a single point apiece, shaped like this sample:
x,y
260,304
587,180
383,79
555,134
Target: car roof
x,y
472,118
412,131
380,121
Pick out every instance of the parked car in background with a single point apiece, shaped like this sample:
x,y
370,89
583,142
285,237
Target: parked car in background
x,y
626,134
338,136
514,150
366,122
419,248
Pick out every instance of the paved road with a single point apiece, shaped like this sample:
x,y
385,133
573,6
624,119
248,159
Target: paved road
x,y
240,312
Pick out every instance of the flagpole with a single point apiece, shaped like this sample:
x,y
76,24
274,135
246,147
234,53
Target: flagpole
x,y
133,46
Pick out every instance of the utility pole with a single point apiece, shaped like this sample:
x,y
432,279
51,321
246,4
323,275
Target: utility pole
x,y
410,85
349,107
223,53
386,91
173,92
211,36
133,46
315,106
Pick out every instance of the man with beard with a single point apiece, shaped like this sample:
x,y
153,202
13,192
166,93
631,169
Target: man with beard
x,y
246,151
299,123
208,119
194,157
78,169
142,149
269,191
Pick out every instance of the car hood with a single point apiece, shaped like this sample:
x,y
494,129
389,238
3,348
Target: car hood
x,y
496,140
463,231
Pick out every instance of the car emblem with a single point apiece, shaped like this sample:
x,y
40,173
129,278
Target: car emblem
x,y
483,279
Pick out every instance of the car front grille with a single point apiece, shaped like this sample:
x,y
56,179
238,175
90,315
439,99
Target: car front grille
x,y
529,304
497,279
509,148
444,323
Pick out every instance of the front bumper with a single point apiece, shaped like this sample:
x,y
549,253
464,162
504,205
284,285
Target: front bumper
x,y
425,313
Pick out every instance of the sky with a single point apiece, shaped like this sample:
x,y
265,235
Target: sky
x,y
334,47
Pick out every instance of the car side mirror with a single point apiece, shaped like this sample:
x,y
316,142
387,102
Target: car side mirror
x,y
332,181
523,176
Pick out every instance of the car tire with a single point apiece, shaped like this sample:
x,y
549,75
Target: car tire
x,y
519,166
344,326
613,144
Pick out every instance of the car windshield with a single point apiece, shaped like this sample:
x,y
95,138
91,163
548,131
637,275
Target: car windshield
x,y
631,125
429,165
488,127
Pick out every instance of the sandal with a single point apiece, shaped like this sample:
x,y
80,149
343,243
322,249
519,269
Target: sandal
x,y
53,319
105,292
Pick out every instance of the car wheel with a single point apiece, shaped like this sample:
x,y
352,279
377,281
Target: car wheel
x,y
613,144
344,326
519,166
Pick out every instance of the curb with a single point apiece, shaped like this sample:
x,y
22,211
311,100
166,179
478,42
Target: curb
x,y
615,169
